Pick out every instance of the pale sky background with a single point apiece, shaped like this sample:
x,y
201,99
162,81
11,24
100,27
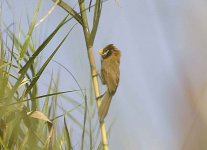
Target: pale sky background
x,y
161,100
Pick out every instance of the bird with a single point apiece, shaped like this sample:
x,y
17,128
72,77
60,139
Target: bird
x,y
110,73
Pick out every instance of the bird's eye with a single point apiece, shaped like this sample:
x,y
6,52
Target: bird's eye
x,y
105,53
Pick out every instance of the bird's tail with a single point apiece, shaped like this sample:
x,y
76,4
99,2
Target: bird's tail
x,y
103,110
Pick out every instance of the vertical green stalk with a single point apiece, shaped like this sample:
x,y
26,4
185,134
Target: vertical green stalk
x,y
93,67
89,39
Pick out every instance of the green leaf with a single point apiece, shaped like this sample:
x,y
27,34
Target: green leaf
x,y
42,96
23,71
67,135
29,34
84,123
45,106
70,10
96,17
38,115
41,47
45,64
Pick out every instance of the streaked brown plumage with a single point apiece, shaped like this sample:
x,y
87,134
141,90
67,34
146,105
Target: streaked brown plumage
x,y
110,76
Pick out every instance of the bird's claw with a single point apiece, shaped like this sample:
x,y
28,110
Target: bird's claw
x,y
99,97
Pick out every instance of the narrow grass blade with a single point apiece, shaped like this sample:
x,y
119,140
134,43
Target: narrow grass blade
x,y
67,135
84,123
42,96
23,71
41,47
76,121
48,144
29,34
45,106
97,13
70,10
45,64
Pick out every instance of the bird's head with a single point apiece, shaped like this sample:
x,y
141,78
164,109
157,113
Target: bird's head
x,y
108,51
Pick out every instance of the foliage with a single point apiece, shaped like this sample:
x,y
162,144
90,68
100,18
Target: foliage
x,y
28,119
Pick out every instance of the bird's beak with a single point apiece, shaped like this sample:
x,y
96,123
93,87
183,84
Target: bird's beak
x,y
100,51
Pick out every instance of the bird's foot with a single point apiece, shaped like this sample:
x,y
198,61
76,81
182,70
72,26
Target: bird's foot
x,y
99,97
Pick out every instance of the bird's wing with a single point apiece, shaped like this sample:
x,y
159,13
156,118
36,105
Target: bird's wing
x,y
110,74
103,71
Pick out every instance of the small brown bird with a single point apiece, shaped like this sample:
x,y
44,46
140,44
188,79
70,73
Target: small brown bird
x,y
110,76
